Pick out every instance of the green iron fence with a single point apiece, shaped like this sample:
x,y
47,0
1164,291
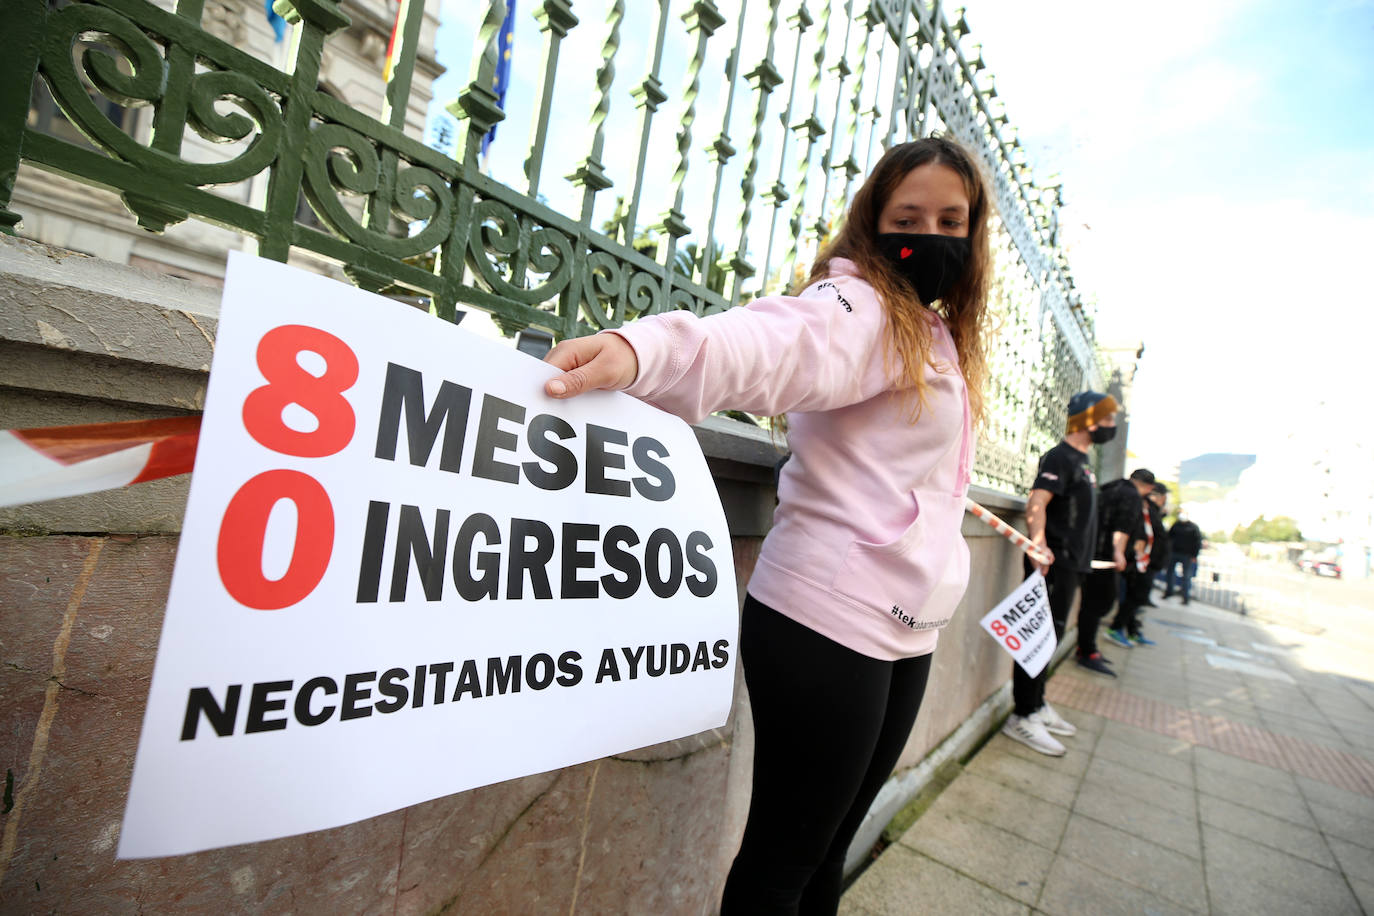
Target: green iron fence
x,y
842,79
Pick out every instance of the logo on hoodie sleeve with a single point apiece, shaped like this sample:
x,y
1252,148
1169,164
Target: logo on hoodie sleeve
x,y
831,286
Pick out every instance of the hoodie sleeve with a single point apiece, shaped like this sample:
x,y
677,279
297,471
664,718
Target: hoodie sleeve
x,y
817,351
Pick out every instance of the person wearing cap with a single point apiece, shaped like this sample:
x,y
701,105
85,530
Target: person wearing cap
x,y
1149,550
1061,519
1121,515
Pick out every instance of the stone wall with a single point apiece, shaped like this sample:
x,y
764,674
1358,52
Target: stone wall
x,y
81,597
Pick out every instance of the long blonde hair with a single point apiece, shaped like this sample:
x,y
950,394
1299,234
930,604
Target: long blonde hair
x,y
963,306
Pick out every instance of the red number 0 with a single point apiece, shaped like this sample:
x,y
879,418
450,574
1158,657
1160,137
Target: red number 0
x,y
288,383
245,525
1013,643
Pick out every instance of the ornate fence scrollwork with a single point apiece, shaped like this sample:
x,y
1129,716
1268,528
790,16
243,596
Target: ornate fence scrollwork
x,y
393,212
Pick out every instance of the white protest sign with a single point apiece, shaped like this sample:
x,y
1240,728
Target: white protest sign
x,y
405,572
1022,625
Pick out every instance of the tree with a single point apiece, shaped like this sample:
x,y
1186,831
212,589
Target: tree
x,y
1278,529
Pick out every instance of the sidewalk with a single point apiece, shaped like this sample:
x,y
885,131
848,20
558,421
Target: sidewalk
x,y
1229,769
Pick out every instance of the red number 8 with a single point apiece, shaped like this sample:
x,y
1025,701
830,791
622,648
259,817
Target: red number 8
x,y
288,383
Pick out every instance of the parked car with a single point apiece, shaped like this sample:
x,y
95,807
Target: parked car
x,y
1320,567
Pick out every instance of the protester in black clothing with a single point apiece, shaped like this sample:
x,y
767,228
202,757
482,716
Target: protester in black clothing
x,y
1061,518
1185,540
1120,522
1163,552
1147,550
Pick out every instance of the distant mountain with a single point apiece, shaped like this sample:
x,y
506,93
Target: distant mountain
x,y
1217,468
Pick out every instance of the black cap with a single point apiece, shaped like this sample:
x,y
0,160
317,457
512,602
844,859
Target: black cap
x,y
1144,476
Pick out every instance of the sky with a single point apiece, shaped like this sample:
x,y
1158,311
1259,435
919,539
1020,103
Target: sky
x,y
1218,171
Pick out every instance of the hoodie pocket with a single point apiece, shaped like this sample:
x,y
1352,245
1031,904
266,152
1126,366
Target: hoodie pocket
x,y
917,580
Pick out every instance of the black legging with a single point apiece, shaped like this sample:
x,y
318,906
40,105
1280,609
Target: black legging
x,y
829,726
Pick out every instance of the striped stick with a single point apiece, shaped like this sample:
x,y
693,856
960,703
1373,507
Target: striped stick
x,y
1007,531
57,461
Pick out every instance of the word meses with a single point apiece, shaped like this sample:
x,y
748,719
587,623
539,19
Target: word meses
x,y
556,465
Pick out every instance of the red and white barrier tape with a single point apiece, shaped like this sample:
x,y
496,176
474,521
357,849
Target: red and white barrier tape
x,y
57,461
1007,531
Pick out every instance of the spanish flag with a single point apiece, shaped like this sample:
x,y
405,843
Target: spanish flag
x,y
391,44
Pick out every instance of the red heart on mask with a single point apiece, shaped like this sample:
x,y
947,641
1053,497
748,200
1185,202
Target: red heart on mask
x,y
906,253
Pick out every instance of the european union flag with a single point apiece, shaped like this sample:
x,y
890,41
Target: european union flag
x,y
500,82
278,24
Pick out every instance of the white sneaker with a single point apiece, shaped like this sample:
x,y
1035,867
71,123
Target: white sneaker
x,y
1054,723
1032,734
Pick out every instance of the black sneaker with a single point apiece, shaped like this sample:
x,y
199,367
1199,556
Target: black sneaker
x,y
1095,662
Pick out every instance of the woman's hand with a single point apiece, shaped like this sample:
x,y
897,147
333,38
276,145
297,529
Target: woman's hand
x,y
588,363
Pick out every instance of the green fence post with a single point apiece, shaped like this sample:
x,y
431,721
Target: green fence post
x,y
24,20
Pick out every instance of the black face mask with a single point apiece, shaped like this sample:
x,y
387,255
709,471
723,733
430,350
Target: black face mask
x,y
1102,434
930,263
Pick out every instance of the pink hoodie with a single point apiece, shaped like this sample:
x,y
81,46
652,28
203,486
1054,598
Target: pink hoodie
x,y
865,546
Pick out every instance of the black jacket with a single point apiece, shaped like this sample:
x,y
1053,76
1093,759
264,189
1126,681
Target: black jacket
x,y
1186,539
1159,553
1119,508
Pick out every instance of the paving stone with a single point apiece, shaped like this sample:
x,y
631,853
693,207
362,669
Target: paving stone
x,y
1227,709
1364,891
1286,702
1240,768
903,882
1357,862
849,908
1346,708
1316,734
1074,889
1028,817
1167,795
1143,738
1290,807
1032,778
1344,824
1139,816
1304,712
1201,673
1323,793
1324,889
1235,893
1359,740
1175,767
997,858
1157,665
1361,723
1263,828
1089,724
1138,862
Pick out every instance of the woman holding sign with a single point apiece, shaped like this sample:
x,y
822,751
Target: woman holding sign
x,y
878,364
